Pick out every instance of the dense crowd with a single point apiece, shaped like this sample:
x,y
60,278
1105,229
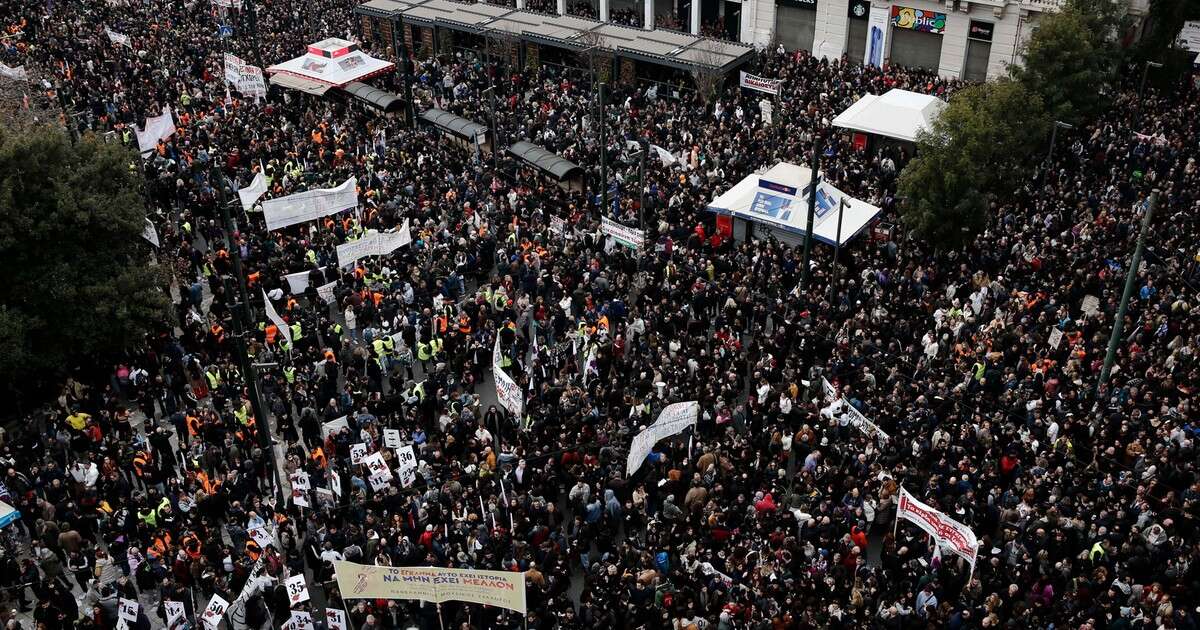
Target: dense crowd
x,y
145,485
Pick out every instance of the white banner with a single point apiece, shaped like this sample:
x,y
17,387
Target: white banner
x,y
276,319
333,426
877,32
358,452
760,84
828,390
228,4
860,422
391,438
373,244
949,533
118,38
297,282
150,233
627,236
674,418
233,68
157,128
665,156
300,621
16,74
1189,35
310,204
250,194
214,611
503,589
325,291
507,391
407,457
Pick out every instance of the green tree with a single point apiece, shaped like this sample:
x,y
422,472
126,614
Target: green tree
x,y
978,148
76,286
1073,57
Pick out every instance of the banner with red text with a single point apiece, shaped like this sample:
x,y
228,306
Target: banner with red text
x,y
504,589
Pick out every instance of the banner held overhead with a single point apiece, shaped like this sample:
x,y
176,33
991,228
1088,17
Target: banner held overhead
x,y
310,204
503,589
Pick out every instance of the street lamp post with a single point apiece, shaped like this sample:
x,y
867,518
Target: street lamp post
x,y
1054,136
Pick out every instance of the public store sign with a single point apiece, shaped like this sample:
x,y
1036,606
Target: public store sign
x,y
918,20
981,31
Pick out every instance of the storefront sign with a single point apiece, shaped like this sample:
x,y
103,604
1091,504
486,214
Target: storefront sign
x,y
981,31
859,9
918,20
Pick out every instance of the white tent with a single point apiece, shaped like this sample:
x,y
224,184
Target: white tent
x,y
778,199
332,62
898,114
8,514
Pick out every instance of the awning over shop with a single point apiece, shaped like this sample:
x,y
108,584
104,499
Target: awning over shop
x,y
379,99
294,82
658,46
546,162
457,125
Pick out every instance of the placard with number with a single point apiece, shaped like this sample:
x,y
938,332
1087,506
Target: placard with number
x,y
300,621
214,611
375,464
379,482
261,536
357,453
127,609
175,612
297,590
408,476
391,438
300,480
335,619
408,459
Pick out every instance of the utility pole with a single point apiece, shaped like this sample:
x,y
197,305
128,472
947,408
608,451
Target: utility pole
x,y
1130,279
242,326
642,198
813,182
603,152
1058,124
837,250
495,131
255,46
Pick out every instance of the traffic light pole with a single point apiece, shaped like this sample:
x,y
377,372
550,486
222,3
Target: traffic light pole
x,y
241,327
1130,279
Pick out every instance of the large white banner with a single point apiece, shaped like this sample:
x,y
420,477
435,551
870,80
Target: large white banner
x,y
373,244
157,128
16,74
273,315
246,78
760,84
949,533
250,194
507,391
877,32
310,204
503,589
674,418
627,236
1189,35
861,423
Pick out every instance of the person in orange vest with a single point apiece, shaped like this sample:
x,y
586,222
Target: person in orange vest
x,y
253,550
191,545
318,456
464,324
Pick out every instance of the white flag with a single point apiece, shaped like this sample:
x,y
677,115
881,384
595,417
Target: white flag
x,y
664,155
150,233
250,194
507,391
276,319
118,38
157,128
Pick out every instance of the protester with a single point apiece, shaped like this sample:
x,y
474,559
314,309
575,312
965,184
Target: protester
x,y
152,486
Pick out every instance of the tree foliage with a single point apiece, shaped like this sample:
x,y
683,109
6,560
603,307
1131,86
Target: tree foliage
x,y
1073,58
75,282
977,149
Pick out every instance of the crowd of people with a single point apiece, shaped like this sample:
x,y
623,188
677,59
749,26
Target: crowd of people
x,y
149,484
